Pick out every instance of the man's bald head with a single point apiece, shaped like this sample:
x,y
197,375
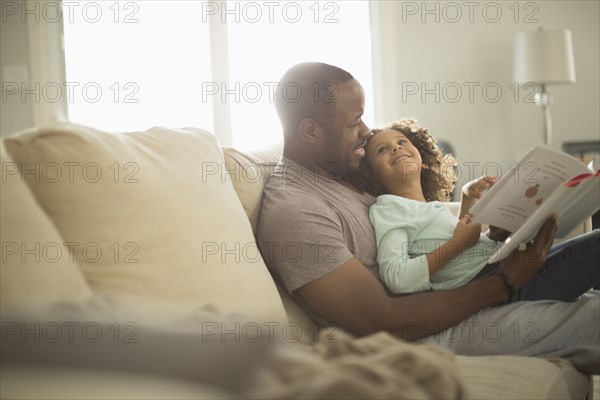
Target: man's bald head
x,y
307,90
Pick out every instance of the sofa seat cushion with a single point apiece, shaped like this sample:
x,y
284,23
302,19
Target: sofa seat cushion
x,y
509,377
83,383
149,215
37,272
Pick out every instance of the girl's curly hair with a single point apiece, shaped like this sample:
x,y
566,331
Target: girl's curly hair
x,y
437,177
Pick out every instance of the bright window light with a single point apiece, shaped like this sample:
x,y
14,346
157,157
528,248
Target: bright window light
x,y
336,33
147,58
140,64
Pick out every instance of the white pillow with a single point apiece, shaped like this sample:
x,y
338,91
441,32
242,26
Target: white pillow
x,y
153,215
36,269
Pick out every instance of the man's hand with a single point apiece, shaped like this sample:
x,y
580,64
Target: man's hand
x,y
521,266
497,234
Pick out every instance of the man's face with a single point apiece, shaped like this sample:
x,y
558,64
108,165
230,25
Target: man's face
x,y
345,132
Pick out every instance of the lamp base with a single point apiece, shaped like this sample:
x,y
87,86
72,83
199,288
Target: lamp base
x,y
544,99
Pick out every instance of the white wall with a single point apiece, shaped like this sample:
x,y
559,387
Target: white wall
x,y
31,64
14,114
416,50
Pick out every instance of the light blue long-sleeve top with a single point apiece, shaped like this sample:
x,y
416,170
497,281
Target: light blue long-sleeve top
x,y
406,230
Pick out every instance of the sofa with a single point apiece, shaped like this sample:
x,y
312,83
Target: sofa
x,y
130,270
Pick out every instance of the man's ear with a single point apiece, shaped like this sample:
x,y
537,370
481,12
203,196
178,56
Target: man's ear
x,y
309,130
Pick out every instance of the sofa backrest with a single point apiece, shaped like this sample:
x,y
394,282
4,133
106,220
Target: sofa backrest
x,y
249,173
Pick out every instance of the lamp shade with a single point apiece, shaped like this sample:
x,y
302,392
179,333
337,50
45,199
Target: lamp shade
x,y
544,56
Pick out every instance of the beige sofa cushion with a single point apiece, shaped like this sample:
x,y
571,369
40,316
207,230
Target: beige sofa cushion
x,y
17,382
508,377
249,173
152,215
36,270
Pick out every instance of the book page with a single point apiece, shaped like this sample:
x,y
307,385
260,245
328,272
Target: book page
x,y
573,203
524,189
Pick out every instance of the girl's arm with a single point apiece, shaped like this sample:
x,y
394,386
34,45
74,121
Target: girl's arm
x,y
472,191
465,235
403,274
466,203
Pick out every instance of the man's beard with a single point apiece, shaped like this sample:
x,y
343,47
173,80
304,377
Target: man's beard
x,y
339,165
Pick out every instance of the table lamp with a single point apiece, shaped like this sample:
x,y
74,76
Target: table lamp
x,y
544,57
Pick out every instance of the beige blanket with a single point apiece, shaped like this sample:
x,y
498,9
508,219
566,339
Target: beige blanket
x,y
377,366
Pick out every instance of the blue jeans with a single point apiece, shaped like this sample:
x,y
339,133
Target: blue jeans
x,y
572,268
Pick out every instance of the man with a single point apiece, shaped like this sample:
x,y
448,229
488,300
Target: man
x,y
316,237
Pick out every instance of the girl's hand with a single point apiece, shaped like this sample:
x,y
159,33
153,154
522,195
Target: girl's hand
x,y
475,188
466,233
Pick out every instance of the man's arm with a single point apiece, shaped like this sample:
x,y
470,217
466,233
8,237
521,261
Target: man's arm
x,y
354,299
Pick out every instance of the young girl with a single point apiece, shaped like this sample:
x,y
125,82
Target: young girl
x,y
421,245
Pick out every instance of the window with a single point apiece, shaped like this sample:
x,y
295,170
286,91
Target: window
x,y
142,64
148,63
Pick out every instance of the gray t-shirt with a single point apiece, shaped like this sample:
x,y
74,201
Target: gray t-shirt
x,y
310,224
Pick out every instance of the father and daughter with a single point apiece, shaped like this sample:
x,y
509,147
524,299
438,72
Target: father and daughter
x,y
422,246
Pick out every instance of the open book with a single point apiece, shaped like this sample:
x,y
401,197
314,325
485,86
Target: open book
x,y
543,182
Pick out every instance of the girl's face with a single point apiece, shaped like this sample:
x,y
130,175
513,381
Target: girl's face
x,y
391,157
